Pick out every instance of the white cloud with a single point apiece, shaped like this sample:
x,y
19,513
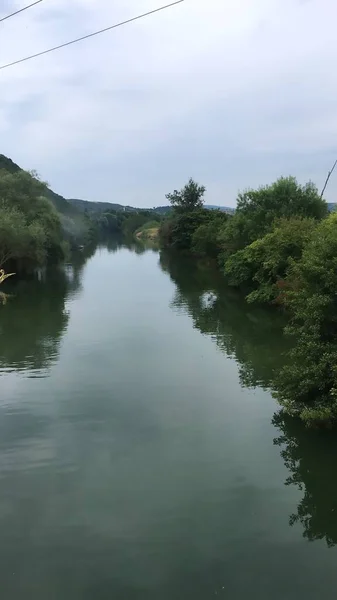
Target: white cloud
x,y
234,93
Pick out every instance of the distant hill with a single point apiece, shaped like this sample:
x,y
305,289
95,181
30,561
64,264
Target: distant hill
x,y
332,206
166,209
163,210
101,207
96,207
228,209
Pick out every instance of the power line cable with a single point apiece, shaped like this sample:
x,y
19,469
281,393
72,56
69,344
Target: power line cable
x,y
20,11
85,37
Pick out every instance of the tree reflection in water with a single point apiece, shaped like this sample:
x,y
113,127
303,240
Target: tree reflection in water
x,y
311,458
249,334
254,338
36,317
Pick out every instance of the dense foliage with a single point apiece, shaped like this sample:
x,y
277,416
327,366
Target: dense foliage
x,y
284,198
280,247
308,386
262,267
30,228
76,229
190,227
125,222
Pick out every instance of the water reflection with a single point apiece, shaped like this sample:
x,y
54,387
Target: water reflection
x,y
35,317
115,243
74,269
250,335
311,458
253,337
32,324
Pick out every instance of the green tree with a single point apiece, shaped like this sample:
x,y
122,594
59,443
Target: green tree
x,y
30,229
133,221
177,232
189,198
12,234
234,235
205,239
111,222
258,209
307,386
284,198
263,265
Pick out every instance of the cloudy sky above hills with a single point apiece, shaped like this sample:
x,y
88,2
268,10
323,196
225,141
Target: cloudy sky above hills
x,y
232,92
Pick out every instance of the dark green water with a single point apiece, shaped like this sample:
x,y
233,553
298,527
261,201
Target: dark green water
x,y
140,454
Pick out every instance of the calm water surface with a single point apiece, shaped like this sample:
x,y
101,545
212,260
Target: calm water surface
x,y
141,453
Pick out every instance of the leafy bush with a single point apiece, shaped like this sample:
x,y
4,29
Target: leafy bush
x,y
262,266
177,232
283,199
307,387
257,211
205,239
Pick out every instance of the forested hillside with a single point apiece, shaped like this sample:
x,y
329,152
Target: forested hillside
x,y
75,227
95,207
30,227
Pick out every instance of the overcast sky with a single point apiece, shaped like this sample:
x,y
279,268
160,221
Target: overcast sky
x,y
234,93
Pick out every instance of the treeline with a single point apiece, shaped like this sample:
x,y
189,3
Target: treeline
x,y
280,247
122,222
38,227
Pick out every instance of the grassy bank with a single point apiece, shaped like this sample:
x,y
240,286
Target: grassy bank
x,y
148,232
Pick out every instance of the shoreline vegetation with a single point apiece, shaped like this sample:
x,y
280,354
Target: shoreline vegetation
x,y
39,227
279,248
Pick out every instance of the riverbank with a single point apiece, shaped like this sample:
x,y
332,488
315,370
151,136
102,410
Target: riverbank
x,y
280,248
148,232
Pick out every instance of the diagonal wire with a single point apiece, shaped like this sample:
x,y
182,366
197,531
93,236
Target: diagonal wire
x,y
20,11
85,37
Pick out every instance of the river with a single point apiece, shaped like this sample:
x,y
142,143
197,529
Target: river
x,y
142,455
